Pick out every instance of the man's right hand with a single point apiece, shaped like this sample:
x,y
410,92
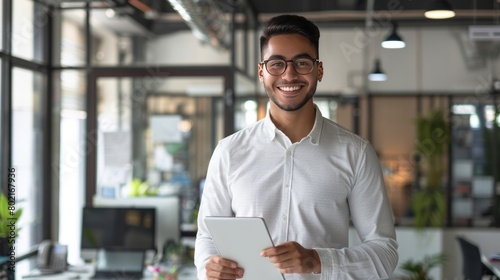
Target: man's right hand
x,y
220,268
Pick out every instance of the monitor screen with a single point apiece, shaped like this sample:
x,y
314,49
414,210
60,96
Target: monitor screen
x,y
167,213
118,228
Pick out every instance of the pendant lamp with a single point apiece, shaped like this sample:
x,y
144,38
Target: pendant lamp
x,y
439,9
377,75
393,41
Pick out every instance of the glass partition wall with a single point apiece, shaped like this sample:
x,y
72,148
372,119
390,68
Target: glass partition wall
x,y
162,139
475,161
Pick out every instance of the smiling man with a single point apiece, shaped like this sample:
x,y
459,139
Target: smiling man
x,y
308,177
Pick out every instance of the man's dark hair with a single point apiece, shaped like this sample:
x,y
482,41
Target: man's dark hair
x,y
290,24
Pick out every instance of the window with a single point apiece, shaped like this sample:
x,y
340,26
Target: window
x,y
24,120
27,149
71,50
71,155
22,29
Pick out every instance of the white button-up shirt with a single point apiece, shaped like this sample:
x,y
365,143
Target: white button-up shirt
x,y
307,192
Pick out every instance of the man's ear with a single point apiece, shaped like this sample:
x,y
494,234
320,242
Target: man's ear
x,y
260,72
320,71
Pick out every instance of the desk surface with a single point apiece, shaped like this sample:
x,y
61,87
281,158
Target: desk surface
x,y
492,265
86,273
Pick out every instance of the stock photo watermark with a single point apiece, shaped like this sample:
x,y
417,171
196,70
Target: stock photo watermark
x,y
13,214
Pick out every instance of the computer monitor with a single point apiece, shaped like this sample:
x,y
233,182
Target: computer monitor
x,y
118,228
167,215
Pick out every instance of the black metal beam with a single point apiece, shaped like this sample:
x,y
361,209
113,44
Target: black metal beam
x,y
91,101
47,155
495,160
449,185
6,104
5,125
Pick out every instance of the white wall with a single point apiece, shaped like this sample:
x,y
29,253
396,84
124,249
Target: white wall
x,y
434,60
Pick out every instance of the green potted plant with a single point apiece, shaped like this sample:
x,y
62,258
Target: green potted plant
x,y
174,252
8,231
433,136
8,218
419,270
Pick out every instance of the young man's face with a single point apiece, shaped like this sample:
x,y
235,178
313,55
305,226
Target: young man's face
x,y
290,91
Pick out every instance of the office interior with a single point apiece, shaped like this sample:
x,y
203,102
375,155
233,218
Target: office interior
x,y
120,103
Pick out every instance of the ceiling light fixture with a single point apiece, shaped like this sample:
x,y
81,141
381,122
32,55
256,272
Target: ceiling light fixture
x,y
377,75
393,41
439,9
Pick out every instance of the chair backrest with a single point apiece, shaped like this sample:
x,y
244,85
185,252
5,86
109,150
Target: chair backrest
x,y
471,259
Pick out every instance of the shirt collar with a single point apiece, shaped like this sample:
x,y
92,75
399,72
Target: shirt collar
x,y
314,135
270,128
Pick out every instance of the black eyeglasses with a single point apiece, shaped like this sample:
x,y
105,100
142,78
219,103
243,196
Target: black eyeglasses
x,y
301,65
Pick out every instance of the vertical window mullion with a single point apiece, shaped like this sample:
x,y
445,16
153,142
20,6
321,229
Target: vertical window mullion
x,y
6,106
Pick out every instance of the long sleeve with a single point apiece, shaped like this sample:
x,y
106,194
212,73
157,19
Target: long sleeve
x,y
376,257
215,202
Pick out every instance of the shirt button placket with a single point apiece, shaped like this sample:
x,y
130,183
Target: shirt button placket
x,y
286,192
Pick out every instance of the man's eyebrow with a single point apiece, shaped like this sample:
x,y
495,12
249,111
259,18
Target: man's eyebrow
x,y
276,56
302,55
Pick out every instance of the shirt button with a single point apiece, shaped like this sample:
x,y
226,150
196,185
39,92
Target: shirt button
x,y
283,218
286,185
313,141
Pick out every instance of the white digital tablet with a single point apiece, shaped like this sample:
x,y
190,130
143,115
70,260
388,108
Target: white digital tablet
x,y
241,239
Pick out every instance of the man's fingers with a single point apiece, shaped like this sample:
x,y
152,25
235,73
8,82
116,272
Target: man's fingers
x,y
223,262
224,275
273,251
291,257
220,268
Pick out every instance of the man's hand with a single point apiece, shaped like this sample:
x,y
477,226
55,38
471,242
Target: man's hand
x,y
220,268
291,257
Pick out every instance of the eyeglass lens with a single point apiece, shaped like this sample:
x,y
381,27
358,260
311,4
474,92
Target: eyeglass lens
x,y
302,66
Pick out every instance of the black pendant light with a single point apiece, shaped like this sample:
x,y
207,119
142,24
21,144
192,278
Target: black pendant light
x,y
377,75
393,41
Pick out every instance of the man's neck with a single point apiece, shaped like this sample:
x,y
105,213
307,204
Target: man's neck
x,y
296,124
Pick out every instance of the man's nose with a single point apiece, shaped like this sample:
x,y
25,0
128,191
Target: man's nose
x,y
290,70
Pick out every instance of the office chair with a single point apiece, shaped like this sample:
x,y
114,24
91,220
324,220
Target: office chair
x,y
472,266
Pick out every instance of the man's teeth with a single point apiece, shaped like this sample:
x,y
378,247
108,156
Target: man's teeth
x,y
289,88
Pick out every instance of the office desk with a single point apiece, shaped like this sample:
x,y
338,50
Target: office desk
x,y
86,273
494,266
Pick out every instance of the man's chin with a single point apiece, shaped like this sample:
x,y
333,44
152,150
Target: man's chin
x,y
290,107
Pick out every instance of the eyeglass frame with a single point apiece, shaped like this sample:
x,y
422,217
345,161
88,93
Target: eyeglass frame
x,y
314,60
